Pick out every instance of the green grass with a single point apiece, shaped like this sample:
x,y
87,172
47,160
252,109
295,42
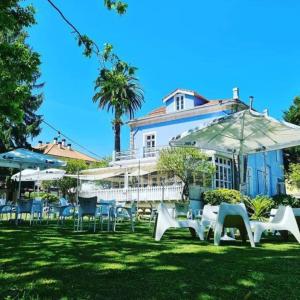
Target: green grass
x,y
51,262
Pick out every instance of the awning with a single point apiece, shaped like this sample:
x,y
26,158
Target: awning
x,y
110,172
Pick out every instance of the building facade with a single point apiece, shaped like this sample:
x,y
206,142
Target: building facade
x,y
185,109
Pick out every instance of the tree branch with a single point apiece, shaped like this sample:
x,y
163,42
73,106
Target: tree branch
x,y
82,38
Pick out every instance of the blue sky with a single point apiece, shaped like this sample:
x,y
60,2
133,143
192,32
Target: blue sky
x,y
209,46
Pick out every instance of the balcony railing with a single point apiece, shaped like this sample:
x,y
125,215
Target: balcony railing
x,y
125,155
136,154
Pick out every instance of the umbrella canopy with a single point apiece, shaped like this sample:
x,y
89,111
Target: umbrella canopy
x,y
243,133
36,175
22,158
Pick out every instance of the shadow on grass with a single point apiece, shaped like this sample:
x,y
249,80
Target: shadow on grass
x,y
55,262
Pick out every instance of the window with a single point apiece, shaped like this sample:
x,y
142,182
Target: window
x,y
224,173
179,102
149,145
150,140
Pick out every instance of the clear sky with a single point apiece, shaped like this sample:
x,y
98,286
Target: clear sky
x,y
208,46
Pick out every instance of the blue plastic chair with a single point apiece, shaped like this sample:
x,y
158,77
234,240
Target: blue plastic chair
x,y
63,209
5,209
32,207
87,208
107,211
124,213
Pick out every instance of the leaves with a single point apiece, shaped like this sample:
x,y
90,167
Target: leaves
x,y
259,207
185,163
19,72
292,115
119,6
118,91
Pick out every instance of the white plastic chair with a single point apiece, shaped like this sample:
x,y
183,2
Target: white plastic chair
x,y
296,212
284,220
209,217
233,216
164,221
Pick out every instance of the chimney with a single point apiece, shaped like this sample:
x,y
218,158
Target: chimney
x,y
55,141
64,143
59,144
235,93
69,146
251,98
40,144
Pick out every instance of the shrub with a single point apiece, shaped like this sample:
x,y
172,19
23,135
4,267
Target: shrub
x,y
50,197
285,200
42,195
259,207
294,175
216,197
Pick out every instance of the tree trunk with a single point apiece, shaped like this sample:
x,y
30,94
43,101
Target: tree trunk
x,y
185,192
117,129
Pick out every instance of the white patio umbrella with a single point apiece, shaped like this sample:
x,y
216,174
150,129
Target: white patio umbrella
x,y
36,175
242,133
23,159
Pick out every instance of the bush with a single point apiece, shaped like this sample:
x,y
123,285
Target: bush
x,y
216,197
294,175
42,195
259,207
50,197
285,200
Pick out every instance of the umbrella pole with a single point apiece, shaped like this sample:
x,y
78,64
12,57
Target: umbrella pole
x,y
38,182
19,187
138,189
241,158
265,174
77,191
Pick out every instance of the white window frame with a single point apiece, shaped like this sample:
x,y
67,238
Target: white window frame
x,y
222,183
150,154
181,102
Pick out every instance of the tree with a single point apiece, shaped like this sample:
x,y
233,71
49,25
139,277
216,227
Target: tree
x,y
117,90
292,115
19,72
185,163
116,87
294,175
67,185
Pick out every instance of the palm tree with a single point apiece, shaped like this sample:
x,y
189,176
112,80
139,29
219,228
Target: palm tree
x,y
117,90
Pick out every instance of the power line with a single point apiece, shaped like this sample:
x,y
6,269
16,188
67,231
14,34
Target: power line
x,y
70,139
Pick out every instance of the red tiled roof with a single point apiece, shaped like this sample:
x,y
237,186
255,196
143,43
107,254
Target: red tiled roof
x,y
61,151
158,111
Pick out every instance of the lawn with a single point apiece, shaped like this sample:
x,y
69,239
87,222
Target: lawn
x,y
47,261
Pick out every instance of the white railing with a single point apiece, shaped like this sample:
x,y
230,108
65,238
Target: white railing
x,y
135,153
124,155
153,193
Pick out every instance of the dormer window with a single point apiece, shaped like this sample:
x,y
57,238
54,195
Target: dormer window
x,y
179,102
